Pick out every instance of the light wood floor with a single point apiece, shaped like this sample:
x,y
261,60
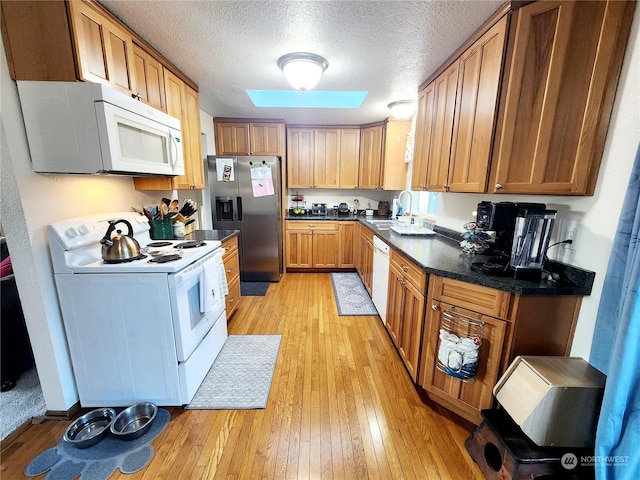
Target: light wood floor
x,y
341,406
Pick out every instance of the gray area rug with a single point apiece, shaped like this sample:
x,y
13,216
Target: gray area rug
x,y
100,461
21,404
351,295
240,378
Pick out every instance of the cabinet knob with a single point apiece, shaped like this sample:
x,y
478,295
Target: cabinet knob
x,y
232,299
137,96
434,307
498,186
404,267
229,270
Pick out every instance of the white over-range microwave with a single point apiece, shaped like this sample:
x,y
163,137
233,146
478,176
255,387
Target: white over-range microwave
x,y
80,127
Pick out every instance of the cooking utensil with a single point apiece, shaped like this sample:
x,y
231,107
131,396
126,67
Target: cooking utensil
x,y
90,428
121,247
174,206
164,209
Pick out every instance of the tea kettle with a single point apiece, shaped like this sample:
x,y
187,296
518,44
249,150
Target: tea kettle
x,y
120,248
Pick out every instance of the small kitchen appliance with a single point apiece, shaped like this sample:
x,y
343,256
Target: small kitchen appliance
x,y
319,209
522,234
141,330
343,209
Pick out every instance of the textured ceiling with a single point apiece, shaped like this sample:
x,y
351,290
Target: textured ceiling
x,y
385,47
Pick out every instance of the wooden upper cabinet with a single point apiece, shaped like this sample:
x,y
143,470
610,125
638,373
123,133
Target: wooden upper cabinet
x,y
349,157
370,157
267,138
326,158
104,48
423,136
394,168
476,109
232,138
442,131
148,78
559,87
249,138
300,153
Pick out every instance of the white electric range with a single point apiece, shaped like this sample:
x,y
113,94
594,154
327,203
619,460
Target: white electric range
x,y
141,330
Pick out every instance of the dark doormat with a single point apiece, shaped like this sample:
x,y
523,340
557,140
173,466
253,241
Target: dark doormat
x,y
254,289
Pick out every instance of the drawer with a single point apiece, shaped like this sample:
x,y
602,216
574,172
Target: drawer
x,y
366,233
311,225
231,265
480,299
232,299
411,271
230,245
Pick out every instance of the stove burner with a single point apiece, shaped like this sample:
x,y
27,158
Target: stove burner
x,y
125,260
166,258
191,244
159,244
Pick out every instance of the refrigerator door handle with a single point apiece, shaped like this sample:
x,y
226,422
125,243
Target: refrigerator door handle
x,y
239,205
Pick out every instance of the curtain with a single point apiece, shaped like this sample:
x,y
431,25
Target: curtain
x,y
616,347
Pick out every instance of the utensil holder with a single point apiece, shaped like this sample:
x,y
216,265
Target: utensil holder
x,y
161,229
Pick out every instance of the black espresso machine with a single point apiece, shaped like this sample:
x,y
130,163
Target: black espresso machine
x,y
523,231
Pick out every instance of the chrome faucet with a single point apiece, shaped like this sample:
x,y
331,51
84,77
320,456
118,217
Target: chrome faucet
x,y
405,211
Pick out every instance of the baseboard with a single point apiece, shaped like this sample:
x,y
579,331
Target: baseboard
x,y
63,415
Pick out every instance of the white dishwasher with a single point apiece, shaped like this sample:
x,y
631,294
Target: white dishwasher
x,y
380,280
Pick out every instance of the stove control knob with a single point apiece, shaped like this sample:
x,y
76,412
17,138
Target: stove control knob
x,y
71,232
83,229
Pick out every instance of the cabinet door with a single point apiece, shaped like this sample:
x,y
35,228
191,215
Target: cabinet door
x,y
395,304
440,149
349,157
394,167
148,78
370,157
423,136
104,49
299,245
346,247
367,263
325,249
359,241
325,158
267,139
232,138
558,95
479,79
465,398
300,157
410,334
232,300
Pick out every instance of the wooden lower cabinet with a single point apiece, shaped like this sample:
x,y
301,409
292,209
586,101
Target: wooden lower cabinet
x,y
311,244
513,325
364,257
231,261
346,252
405,310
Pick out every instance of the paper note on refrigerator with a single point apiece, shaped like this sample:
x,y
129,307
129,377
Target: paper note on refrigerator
x,y
261,180
224,169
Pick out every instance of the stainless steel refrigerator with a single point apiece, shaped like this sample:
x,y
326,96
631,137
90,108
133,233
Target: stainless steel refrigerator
x,y
245,195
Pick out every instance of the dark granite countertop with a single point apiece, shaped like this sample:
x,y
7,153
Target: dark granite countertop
x,y
221,235
333,218
441,255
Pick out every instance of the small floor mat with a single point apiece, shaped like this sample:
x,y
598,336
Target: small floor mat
x,y
254,289
241,375
351,296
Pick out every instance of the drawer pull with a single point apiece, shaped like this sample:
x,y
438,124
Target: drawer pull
x,y
232,299
229,270
404,267
434,308
311,225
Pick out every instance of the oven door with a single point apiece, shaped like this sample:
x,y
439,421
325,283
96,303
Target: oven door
x,y
197,301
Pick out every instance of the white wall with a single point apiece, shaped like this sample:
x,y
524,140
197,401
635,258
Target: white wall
x,y
30,201
596,217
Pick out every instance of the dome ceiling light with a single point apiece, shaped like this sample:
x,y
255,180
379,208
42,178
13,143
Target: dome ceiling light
x,y
402,109
302,70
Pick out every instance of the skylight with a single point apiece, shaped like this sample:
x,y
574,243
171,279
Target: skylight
x,y
308,99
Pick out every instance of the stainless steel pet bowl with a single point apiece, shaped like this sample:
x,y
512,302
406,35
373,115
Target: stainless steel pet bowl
x,y
90,428
133,422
